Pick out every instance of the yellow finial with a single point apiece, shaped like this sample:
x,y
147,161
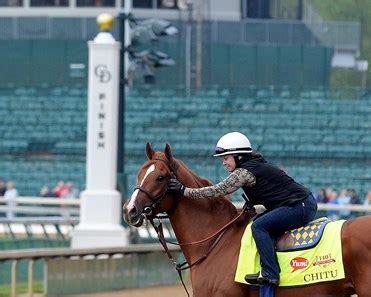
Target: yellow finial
x,y
105,21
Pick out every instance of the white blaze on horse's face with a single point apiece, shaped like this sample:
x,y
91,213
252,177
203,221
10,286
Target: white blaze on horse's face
x,y
131,203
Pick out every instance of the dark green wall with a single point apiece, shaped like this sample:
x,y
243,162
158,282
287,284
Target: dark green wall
x,y
238,66
36,62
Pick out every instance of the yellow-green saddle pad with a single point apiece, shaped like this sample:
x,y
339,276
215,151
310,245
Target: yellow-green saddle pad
x,y
322,263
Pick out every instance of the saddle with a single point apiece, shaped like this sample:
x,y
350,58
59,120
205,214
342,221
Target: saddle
x,y
302,238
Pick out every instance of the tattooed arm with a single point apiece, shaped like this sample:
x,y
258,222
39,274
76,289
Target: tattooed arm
x,y
238,178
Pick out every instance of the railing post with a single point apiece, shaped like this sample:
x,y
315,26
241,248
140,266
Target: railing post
x,y
46,277
14,279
30,277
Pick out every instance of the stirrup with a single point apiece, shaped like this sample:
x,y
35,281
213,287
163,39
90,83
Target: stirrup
x,y
252,279
260,280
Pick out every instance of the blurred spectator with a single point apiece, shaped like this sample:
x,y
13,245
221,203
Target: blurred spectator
x,y
344,199
354,198
10,194
14,3
71,192
95,3
60,189
367,201
2,188
321,196
332,199
48,3
45,192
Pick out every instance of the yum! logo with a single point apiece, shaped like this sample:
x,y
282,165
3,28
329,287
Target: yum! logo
x,y
299,263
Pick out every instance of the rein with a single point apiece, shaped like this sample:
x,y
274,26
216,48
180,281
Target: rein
x,y
148,211
184,266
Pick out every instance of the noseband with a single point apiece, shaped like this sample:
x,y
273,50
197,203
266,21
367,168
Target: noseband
x,y
156,200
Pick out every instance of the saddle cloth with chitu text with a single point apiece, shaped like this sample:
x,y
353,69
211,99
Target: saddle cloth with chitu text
x,y
320,263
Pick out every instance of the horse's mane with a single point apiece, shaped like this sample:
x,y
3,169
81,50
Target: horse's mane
x,y
201,181
222,203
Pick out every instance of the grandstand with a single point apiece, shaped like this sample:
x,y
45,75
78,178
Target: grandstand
x,y
321,139
38,131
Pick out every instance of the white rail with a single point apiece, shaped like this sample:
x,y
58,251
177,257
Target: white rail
x,y
76,202
40,206
43,201
328,207
35,216
51,217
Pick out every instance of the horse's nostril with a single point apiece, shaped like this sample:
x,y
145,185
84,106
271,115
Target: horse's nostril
x,y
132,216
133,212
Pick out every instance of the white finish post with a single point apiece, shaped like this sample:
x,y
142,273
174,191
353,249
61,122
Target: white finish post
x,y
100,209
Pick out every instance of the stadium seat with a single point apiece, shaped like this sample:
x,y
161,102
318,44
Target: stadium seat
x,y
304,132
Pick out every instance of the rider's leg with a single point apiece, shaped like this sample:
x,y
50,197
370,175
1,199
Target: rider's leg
x,y
276,222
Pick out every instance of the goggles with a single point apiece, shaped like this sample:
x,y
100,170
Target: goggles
x,y
220,150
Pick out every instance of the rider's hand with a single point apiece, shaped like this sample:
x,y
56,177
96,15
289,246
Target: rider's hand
x,y
176,186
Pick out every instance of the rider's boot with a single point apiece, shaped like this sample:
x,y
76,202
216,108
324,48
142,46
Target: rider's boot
x,y
261,280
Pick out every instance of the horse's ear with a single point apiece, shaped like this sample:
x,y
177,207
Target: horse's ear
x,y
168,153
149,151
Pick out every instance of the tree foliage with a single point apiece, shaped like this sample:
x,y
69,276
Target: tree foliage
x,y
349,11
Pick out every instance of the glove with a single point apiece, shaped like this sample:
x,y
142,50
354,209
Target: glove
x,y
176,186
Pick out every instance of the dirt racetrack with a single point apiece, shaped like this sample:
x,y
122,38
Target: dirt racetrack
x,y
160,291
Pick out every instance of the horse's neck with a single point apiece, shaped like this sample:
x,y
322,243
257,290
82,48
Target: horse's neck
x,y
196,219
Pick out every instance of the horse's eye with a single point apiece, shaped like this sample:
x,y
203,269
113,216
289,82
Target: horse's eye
x,y
160,178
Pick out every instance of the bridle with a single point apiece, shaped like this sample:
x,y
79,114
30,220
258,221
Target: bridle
x,y
156,200
148,214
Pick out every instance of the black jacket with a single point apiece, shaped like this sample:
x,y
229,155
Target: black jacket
x,y
273,186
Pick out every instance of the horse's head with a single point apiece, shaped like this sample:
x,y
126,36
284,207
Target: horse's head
x,y
150,195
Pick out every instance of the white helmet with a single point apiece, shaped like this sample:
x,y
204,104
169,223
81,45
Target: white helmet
x,y
232,143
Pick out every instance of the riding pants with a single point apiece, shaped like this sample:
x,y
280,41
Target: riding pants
x,y
272,224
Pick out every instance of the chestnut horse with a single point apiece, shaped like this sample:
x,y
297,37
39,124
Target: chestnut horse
x,y
196,219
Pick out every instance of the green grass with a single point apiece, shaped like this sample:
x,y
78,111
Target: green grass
x,y
21,289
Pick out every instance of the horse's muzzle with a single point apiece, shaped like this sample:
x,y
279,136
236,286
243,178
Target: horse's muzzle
x,y
133,217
